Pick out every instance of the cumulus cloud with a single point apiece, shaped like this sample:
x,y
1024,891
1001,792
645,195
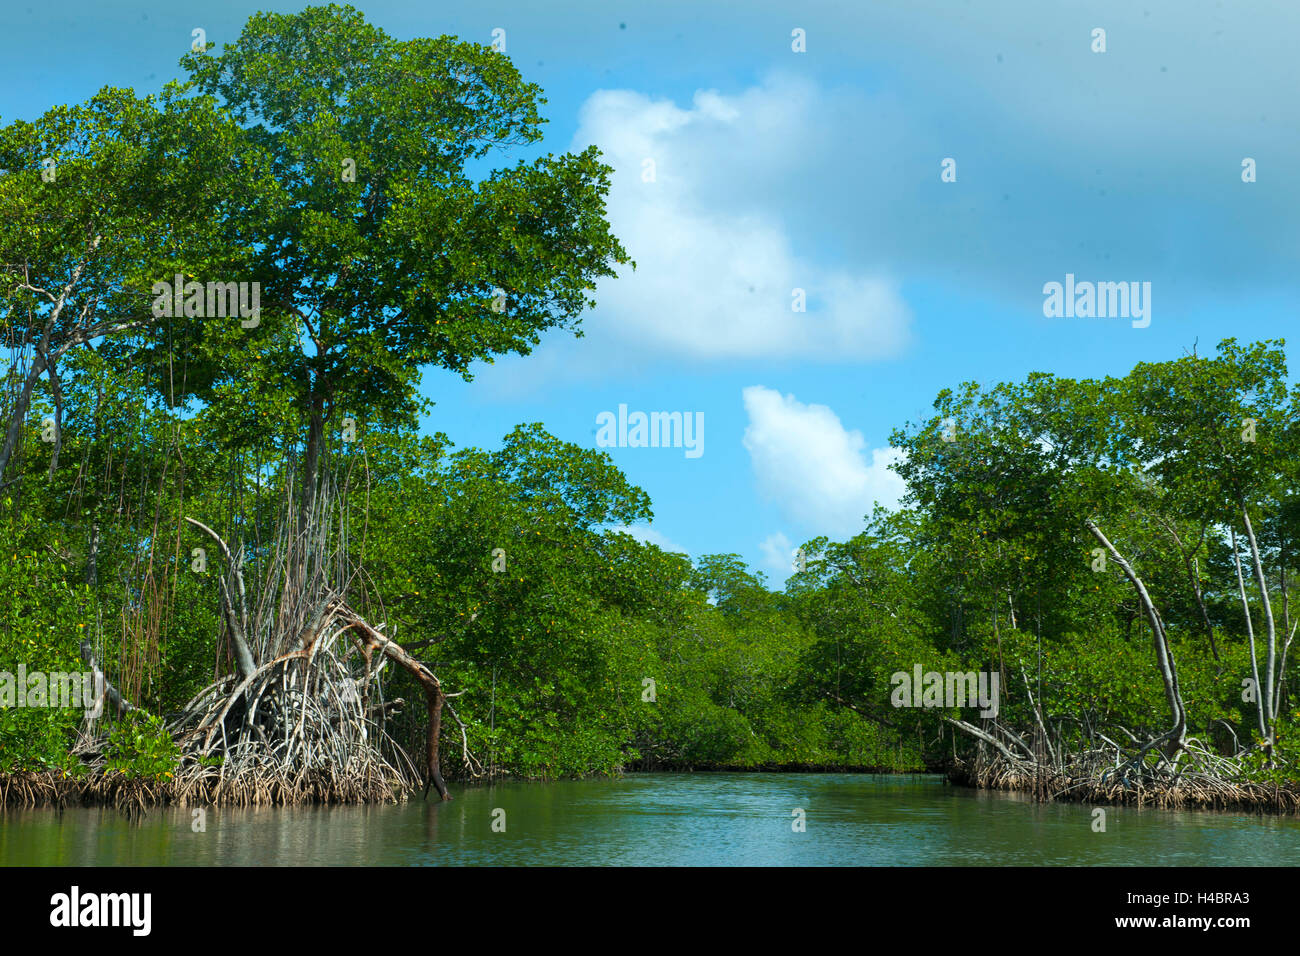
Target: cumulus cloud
x,y
778,556
716,266
819,473
647,535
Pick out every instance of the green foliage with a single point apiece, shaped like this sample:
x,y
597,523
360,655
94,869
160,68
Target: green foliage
x,y
347,172
387,242
139,745
42,620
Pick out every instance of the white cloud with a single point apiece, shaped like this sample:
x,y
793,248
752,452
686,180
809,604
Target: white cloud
x,y
820,473
648,535
716,265
778,556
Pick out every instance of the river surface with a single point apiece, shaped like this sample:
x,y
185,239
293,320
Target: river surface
x,y
698,819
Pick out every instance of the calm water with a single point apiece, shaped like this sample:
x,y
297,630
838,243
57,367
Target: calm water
x,y
651,819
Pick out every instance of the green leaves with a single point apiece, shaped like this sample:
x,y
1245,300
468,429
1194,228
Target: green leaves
x,y
140,746
399,268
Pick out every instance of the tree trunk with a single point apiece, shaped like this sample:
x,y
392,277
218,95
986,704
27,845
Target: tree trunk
x,y
18,416
1164,656
434,697
311,461
92,556
1270,702
1250,634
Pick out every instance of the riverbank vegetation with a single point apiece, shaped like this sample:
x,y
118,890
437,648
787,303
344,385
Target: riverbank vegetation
x,y
295,595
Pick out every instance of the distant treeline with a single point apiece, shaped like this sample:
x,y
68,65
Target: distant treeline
x,y
235,520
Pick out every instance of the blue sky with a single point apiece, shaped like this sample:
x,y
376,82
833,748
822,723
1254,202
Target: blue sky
x,y
820,170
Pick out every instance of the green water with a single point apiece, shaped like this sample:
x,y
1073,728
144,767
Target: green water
x,y
653,819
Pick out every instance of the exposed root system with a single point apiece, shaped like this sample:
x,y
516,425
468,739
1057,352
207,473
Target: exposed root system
x,y
302,720
1194,779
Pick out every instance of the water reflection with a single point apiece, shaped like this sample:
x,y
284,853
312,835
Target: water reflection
x,y
655,819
